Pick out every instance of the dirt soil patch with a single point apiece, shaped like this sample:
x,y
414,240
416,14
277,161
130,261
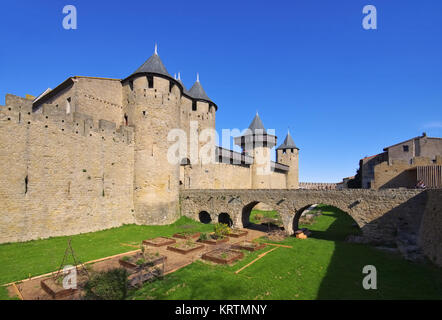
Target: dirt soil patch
x,y
237,233
223,256
248,245
276,235
185,247
159,241
187,235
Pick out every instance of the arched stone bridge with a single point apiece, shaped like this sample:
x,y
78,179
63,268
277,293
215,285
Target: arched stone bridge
x,y
381,215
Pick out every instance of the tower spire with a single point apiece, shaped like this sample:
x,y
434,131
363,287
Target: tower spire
x,y
197,77
179,75
156,49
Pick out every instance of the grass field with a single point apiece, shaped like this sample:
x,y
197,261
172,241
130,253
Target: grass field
x,y
22,260
321,267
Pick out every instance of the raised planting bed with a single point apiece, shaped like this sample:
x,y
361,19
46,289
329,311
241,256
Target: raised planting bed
x,y
138,278
237,233
185,247
223,256
187,235
53,286
140,261
159,241
213,240
248,245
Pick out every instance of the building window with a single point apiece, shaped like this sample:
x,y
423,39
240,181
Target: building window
x,y
150,81
131,85
68,105
405,148
194,106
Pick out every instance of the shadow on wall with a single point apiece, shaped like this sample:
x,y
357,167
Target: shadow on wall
x,y
396,277
399,226
405,179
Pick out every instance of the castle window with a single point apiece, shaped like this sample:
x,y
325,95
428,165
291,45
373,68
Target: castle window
x,y
150,81
291,150
68,105
405,148
26,184
170,86
194,108
131,85
126,119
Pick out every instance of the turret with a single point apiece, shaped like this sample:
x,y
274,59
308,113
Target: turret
x,y
151,101
288,153
198,114
256,142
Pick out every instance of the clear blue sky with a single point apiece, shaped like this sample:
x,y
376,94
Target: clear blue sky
x,y
345,92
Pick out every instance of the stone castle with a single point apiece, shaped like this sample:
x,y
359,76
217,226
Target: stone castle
x,y
91,154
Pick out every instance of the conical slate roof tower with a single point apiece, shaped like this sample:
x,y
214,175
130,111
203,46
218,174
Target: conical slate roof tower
x,y
288,143
153,65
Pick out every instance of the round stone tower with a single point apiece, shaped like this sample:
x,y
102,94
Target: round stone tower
x,y
151,104
288,153
257,143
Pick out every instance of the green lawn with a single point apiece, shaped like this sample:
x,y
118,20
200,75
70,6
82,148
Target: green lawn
x,y
321,267
264,214
21,260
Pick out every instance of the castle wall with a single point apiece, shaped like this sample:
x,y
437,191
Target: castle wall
x,y
430,236
225,176
59,178
100,98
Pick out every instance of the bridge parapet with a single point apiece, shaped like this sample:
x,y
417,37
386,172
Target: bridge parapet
x,y
381,214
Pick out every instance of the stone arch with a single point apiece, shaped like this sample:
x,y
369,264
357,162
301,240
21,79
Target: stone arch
x,y
297,216
225,218
300,211
204,217
245,214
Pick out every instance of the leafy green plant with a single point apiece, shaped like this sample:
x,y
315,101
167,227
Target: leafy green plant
x,y
203,236
221,230
140,262
107,285
125,258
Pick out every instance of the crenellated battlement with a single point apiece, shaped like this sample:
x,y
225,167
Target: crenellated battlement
x,y
50,116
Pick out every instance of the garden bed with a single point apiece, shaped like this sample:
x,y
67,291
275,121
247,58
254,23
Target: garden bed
x,y
237,233
138,278
213,240
55,289
185,247
187,235
248,245
159,241
53,286
223,256
140,261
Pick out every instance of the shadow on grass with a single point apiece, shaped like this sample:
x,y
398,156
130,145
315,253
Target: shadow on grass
x,y
396,277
